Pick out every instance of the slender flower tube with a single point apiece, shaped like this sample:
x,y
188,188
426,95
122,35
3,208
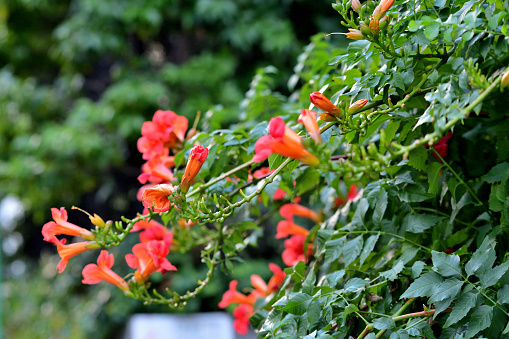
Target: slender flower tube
x,y
282,140
194,163
93,274
382,8
308,119
157,197
286,228
60,225
354,34
357,106
287,211
66,252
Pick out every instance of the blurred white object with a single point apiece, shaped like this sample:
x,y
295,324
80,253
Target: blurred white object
x,y
216,325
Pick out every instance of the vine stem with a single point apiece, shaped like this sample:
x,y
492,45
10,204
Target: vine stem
x,y
219,178
480,203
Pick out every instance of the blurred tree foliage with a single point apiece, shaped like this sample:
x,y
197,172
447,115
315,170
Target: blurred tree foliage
x,y
78,79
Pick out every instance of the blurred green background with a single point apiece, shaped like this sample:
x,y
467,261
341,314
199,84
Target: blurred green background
x,y
77,80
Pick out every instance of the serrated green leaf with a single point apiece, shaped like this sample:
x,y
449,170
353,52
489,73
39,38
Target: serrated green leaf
x,y
417,159
297,304
434,176
461,308
414,193
309,283
448,265
389,133
351,250
335,277
362,207
424,286
503,295
313,311
384,323
275,160
354,284
497,173
417,268
400,334
350,309
447,289
369,245
418,223
307,180
483,258
491,276
380,207
396,269
333,249
479,320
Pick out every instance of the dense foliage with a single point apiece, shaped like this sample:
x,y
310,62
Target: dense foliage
x,y
405,183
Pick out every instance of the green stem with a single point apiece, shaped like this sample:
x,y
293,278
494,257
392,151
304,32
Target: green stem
x,y
479,202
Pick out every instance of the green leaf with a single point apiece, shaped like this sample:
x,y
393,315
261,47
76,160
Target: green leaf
x,y
350,309
307,180
275,160
369,245
298,304
479,320
448,265
434,176
483,258
491,276
414,193
313,311
431,30
354,284
417,268
424,286
418,223
334,278
309,283
464,303
333,249
503,295
497,173
351,250
362,207
388,134
384,323
400,334
380,207
397,80
396,269
417,159
448,289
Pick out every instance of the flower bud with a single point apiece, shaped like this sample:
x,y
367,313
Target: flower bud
x,y
382,8
505,80
384,22
374,26
354,34
194,163
365,29
357,106
356,5
321,101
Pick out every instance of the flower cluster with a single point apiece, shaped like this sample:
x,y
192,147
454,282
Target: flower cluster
x,y
245,303
294,246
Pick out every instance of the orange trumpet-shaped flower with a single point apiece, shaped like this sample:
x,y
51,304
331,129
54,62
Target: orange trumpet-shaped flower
x,y
286,228
152,230
148,258
60,225
294,250
277,279
357,106
354,34
323,103
352,194
382,8
287,211
66,252
308,119
167,127
241,316
282,140
157,170
93,274
232,296
194,163
157,197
